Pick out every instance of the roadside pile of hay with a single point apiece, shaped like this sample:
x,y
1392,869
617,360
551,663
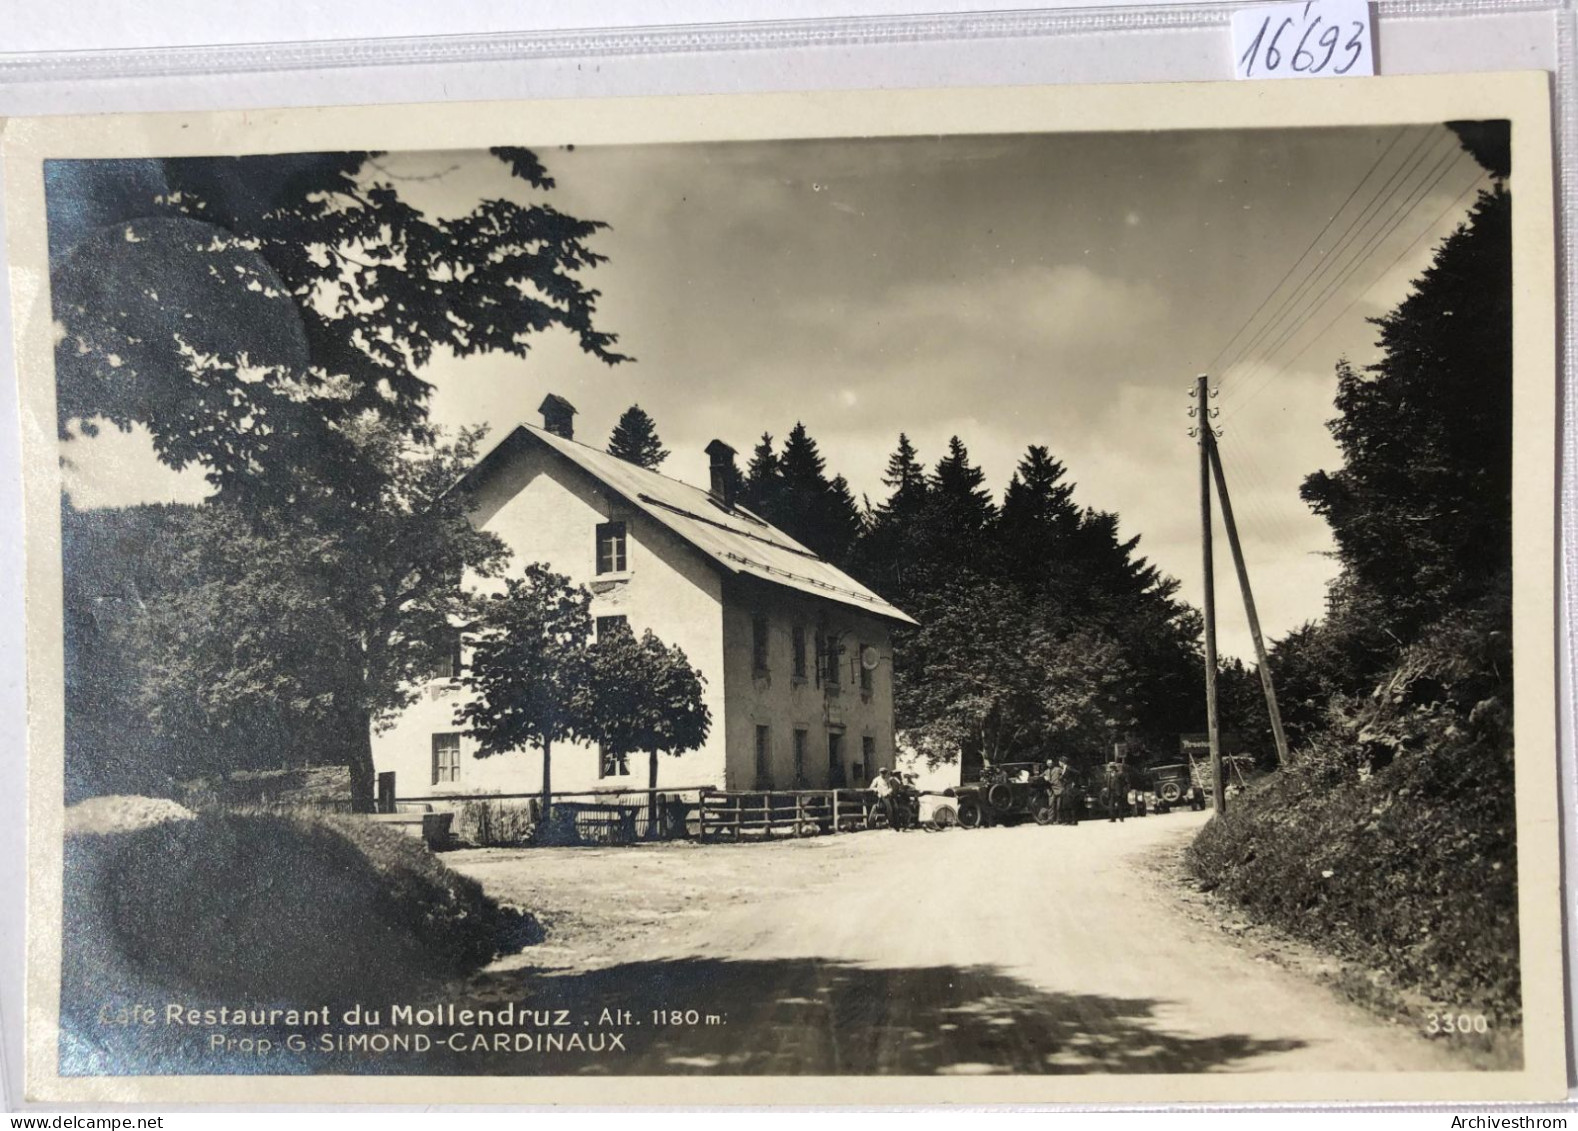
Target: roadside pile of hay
x,y
259,907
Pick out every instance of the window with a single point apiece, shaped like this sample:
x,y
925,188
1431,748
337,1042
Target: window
x,y
759,643
865,672
800,740
764,765
868,752
606,625
612,765
446,759
832,653
611,548
835,760
449,661
799,651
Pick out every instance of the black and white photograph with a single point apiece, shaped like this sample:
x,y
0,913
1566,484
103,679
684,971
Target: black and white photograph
x,y
962,604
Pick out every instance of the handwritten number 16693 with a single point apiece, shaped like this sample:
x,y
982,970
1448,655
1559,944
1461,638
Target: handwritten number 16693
x,y
1306,59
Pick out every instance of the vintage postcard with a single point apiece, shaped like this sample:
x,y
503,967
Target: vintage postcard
x,y
978,596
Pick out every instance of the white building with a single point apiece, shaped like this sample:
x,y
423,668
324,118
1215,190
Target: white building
x,y
797,655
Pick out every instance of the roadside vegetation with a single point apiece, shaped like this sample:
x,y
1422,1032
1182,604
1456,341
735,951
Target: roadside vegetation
x,y
296,909
1391,835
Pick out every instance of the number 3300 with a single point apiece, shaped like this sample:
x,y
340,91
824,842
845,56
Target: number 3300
x,y
1456,1023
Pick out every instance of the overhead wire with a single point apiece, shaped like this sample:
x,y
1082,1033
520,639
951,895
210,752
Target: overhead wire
x,y
1330,220
1394,219
1388,190
1422,192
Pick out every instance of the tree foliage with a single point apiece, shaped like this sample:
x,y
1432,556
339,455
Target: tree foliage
x,y
244,310
246,638
635,440
529,666
643,696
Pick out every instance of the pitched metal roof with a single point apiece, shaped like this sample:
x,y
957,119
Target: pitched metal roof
x,y
740,542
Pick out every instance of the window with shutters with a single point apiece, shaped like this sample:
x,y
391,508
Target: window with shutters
x,y
801,741
799,651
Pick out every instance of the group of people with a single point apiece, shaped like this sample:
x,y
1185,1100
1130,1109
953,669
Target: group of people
x,y
1113,795
898,797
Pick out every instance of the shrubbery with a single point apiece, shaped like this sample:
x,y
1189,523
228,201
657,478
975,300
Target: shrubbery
x,y
269,908
1392,838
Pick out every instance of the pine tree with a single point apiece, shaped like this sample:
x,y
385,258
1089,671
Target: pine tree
x,y
763,479
1038,522
635,440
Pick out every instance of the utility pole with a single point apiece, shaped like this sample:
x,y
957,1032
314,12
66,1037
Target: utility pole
x,y
1249,602
1207,441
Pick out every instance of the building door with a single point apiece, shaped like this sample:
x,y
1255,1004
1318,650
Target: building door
x,y
835,760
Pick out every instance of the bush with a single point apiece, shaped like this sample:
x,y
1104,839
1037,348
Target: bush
x,y
496,824
1392,839
268,908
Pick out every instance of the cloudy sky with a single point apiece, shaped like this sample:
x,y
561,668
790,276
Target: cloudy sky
x,y
1052,289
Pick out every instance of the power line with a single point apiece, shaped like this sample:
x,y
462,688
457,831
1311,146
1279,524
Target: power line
x,y
1389,190
1428,229
1393,221
1330,220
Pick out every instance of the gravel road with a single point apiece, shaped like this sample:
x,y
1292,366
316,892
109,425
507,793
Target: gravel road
x,y
1024,950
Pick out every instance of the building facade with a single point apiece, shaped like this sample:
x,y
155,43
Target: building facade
x,y
797,657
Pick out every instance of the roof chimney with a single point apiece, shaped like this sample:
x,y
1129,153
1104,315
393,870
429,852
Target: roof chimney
x,y
558,416
725,478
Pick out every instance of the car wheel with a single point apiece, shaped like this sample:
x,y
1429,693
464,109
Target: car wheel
x,y
1000,796
971,815
944,817
1170,792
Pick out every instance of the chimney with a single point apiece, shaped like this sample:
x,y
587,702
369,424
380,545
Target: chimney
x,y
558,416
725,478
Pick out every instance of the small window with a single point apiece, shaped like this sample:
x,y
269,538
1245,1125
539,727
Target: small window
x,y
612,765
865,672
801,740
450,663
606,625
759,643
799,651
764,765
446,759
611,548
832,655
868,752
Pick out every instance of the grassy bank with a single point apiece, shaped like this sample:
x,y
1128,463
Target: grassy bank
x,y
1411,870
268,908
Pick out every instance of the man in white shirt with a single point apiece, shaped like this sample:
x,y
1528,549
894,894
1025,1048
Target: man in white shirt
x,y
882,786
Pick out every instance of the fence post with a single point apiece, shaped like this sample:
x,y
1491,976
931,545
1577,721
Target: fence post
x,y
834,796
386,792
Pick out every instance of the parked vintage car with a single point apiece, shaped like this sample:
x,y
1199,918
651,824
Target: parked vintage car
x,y
1007,792
1174,785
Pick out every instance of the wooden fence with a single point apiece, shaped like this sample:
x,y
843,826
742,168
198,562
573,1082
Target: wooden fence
x,y
625,816
735,814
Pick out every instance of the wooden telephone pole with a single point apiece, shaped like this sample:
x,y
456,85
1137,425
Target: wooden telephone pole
x,y
1249,607
1211,467
1207,443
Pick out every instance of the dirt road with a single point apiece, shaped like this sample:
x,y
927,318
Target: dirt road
x,y
1000,950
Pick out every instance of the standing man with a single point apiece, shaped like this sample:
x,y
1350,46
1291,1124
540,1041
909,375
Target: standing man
x,y
1117,789
1057,776
883,788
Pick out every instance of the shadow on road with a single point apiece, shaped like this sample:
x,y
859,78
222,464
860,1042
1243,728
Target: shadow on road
x,y
803,1016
